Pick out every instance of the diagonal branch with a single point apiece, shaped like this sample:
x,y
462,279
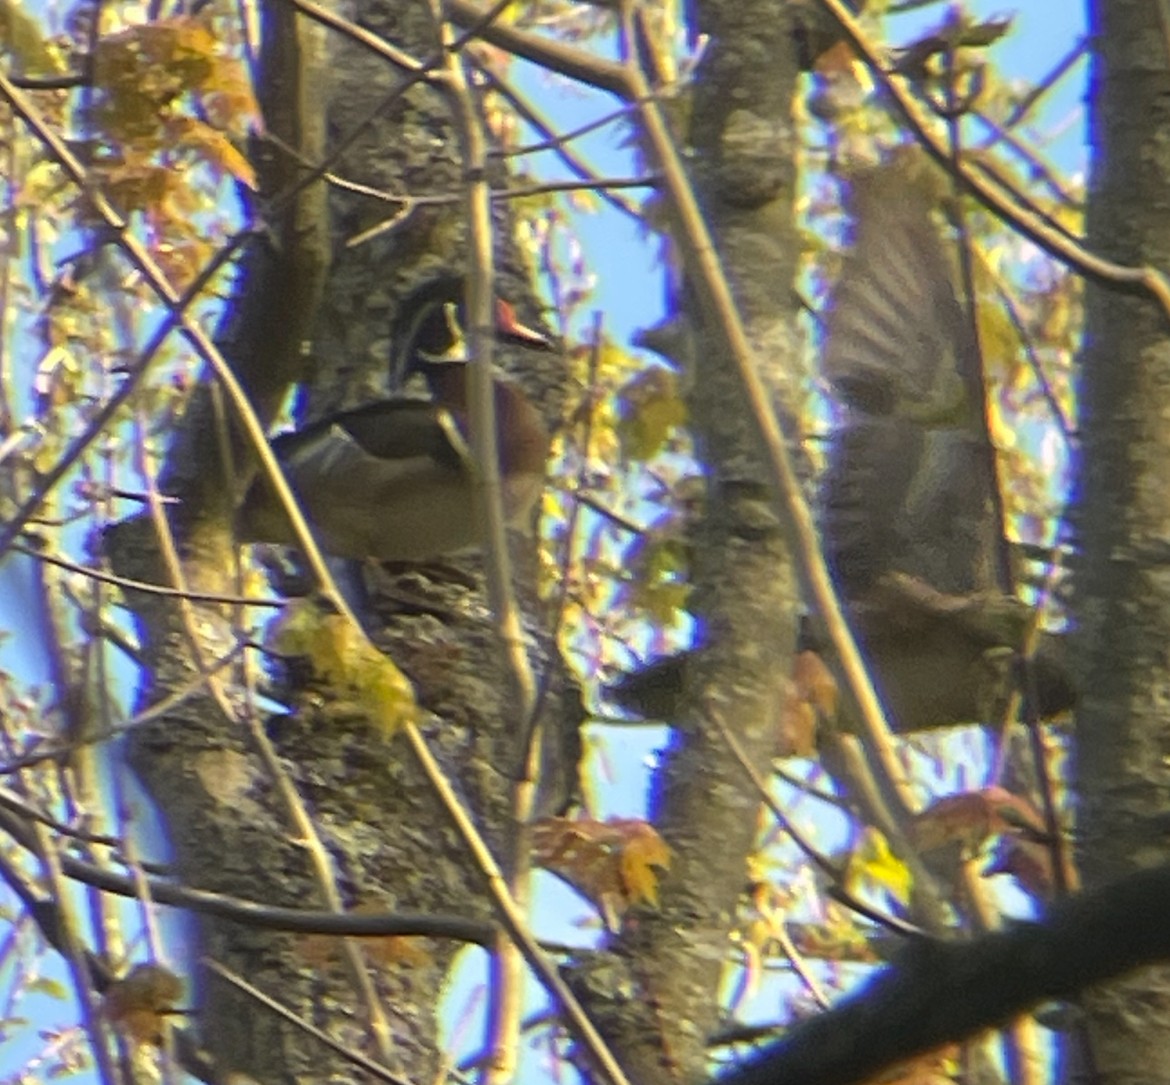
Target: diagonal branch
x,y
173,301
992,194
714,295
941,992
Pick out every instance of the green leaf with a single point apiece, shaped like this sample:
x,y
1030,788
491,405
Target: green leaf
x,y
21,39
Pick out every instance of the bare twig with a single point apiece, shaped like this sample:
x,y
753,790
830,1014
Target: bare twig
x,y
76,960
175,303
994,196
445,199
553,55
558,144
380,1072
1042,86
128,584
161,707
507,988
831,870
512,917
247,913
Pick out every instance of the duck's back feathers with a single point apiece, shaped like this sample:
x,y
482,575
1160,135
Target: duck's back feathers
x,y
392,480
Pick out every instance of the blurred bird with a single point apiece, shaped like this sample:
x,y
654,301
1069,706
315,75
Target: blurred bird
x,y
907,500
393,480
910,481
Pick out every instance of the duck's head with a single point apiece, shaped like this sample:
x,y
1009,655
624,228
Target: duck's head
x,y
430,329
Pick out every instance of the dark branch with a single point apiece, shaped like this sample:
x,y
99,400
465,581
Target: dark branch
x,y
941,992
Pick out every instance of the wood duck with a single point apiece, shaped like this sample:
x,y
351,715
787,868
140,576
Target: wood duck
x,y
393,479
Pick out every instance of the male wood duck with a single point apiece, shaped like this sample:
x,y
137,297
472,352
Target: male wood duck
x,y
393,480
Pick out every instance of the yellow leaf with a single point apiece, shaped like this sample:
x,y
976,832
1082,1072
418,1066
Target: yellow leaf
x,y
347,663
873,863
21,39
644,851
651,411
143,73
583,201
659,583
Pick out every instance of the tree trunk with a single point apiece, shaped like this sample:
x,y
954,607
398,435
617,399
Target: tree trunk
x,y
745,591
1123,518
389,842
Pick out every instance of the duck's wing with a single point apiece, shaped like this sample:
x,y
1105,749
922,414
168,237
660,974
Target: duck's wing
x,y
388,430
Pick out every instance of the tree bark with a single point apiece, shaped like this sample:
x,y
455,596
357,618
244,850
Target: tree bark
x,y
1123,518
745,591
389,842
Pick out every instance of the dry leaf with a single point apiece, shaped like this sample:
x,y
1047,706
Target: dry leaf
x,y
397,950
139,1003
611,862
812,696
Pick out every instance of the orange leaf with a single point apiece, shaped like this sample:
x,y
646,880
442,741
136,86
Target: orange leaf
x,y
398,950
213,146
610,862
138,1003
812,696
839,58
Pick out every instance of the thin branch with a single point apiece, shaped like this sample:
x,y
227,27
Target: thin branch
x,y
49,82
1015,318
380,1072
161,707
445,199
10,800
835,874
553,141
128,584
714,295
553,55
246,913
558,605
76,959
558,144
1036,168
994,196
512,918
507,986
1044,85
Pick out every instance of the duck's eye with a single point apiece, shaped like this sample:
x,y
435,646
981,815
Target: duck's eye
x,y
450,345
